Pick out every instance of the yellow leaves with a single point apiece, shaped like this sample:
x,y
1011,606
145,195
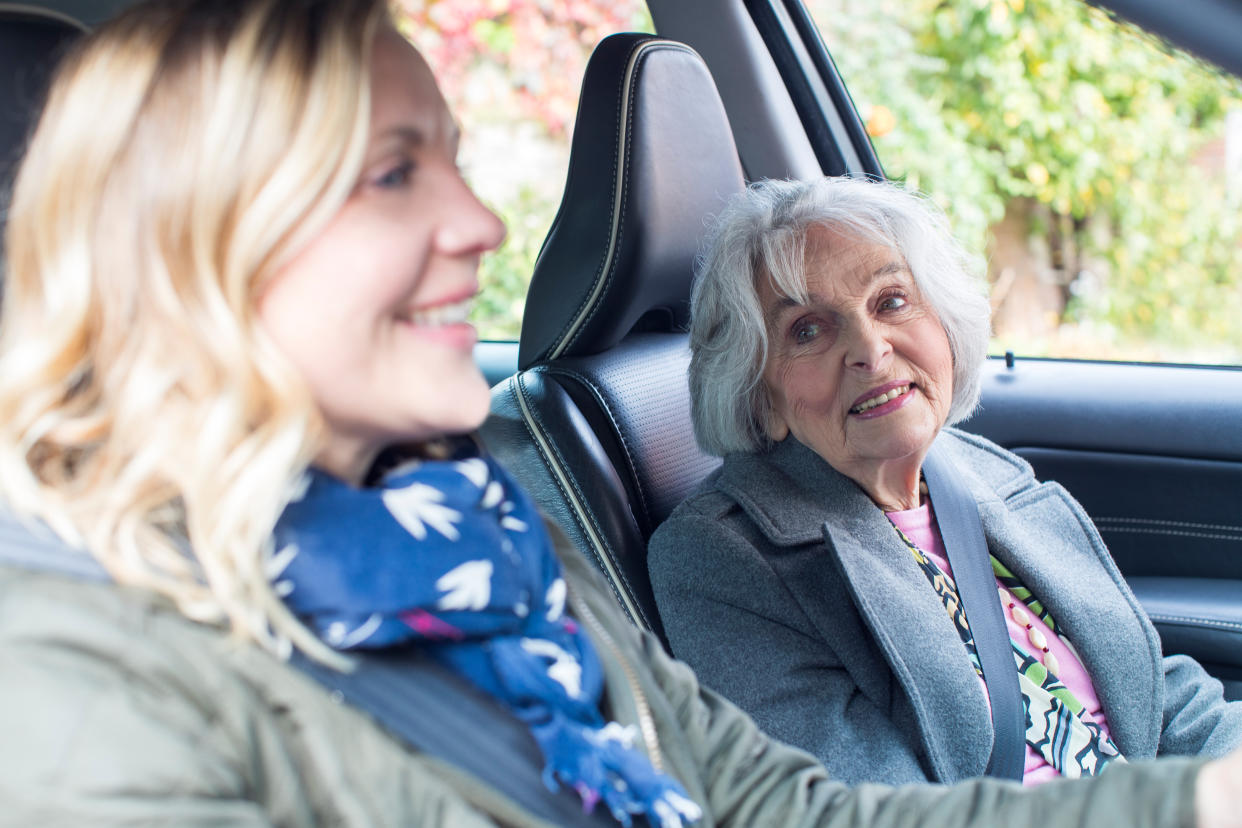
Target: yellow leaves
x,y
1011,119
973,119
1086,197
1037,174
880,121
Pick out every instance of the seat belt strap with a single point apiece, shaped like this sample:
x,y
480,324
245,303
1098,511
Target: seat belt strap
x,y
958,517
441,714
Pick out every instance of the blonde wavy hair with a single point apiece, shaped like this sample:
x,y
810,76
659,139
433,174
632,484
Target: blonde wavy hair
x,y
187,149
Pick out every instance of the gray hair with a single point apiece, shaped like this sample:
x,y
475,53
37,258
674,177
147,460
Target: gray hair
x,y
763,230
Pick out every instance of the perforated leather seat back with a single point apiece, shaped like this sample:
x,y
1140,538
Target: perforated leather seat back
x,y
597,421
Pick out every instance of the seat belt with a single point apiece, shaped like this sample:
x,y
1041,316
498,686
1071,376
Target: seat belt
x,y
958,517
419,702
440,714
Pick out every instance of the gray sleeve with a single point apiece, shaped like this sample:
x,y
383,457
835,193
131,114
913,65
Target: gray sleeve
x,y
751,779
730,617
1197,719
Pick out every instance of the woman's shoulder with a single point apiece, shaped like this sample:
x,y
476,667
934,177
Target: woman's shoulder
x,y
88,618
996,467
100,642
718,508
115,693
708,499
92,669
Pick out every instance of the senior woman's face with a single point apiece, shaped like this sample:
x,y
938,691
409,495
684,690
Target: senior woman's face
x,y
862,373
373,311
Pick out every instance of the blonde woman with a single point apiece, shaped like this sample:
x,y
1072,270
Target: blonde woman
x,y
234,376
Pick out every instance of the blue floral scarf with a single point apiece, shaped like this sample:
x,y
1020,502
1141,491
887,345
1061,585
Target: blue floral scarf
x,y
453,556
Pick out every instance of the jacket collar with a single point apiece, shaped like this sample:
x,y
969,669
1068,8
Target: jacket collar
x,y
788,490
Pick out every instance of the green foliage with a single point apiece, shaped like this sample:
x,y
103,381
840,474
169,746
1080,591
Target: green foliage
x,y
981,102
516,64
505,274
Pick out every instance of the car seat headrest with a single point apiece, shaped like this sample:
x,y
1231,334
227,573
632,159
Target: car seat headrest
x,y
31,41
652,159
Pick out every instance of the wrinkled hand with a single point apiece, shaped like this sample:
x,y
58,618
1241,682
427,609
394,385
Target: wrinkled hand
x,y
1218,793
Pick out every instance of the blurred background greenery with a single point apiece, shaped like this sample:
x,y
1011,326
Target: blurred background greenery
x,y
1099,172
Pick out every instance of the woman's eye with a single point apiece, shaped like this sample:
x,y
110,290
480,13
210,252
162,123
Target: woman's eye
x,y
805,332
893,303
397,176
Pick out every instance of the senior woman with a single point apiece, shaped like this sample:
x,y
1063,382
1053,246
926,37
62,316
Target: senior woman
x,y
253,571
836,334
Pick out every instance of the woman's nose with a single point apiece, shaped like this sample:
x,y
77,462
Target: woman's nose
x,y
867,347
468,226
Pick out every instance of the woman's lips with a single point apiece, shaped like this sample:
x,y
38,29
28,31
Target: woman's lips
x,y
883,400
460,335
444,323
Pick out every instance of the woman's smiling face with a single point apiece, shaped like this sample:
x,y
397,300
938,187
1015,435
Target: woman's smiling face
x,y
861,373
372,312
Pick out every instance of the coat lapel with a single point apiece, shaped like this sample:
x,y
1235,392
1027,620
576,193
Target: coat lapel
x,y
837,547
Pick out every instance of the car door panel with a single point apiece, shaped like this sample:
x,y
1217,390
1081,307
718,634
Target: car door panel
x,y
1154,454
1201,617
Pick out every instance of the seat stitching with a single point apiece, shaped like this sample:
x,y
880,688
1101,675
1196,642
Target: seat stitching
x,y
616,426
1134,530
577,319
580,515
1185,524
1197,621
621,180
621,162
514,392
584,514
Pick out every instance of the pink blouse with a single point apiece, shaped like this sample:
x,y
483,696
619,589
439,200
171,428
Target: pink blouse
x,y
920,527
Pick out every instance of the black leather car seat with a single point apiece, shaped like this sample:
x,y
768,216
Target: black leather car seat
x,y
31,41
596,423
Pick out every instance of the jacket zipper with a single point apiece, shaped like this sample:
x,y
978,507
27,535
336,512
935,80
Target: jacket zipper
x,y
646,723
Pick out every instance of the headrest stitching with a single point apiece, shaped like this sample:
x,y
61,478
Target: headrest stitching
x,y
48,14
590,305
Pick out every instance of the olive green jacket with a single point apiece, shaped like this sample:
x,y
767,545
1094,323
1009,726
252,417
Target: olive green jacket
x,y
117,710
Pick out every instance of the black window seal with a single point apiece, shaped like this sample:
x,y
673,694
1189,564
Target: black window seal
x,y
815,110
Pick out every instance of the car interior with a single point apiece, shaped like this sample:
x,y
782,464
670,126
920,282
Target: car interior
x,y
590,408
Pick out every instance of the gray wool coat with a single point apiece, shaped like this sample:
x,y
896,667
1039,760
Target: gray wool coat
x,y
788,591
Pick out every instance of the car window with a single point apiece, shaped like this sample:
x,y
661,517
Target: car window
x,y
1100,170
511,71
